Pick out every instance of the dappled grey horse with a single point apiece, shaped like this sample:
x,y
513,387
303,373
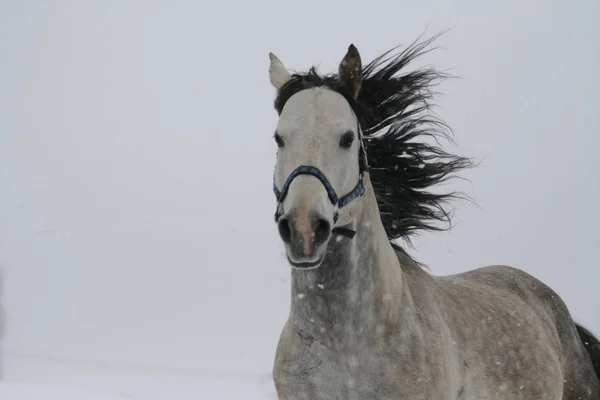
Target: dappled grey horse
x,y
354,173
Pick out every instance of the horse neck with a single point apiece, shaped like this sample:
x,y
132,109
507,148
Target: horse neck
x,y
359,282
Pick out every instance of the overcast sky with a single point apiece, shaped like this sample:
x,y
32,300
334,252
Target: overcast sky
x,y
136,160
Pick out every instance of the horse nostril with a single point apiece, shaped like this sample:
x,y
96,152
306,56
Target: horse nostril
x,y
322,229
285,231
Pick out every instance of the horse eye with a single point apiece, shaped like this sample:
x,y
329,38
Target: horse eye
x,y
278,140
347,139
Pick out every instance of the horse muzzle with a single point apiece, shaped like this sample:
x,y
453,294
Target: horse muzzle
x,y
305,235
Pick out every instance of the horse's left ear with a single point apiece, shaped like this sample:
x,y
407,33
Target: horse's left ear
x,y
350,70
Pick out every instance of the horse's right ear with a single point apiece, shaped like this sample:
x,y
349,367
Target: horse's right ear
x,y
277,72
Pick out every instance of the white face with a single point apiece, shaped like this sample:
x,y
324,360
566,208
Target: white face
x,y
316,128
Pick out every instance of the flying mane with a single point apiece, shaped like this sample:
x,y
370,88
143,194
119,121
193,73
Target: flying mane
x,y
394,114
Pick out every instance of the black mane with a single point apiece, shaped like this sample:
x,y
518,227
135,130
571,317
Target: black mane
x,y
394,113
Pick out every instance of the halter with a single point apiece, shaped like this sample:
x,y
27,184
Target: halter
x,y
338,202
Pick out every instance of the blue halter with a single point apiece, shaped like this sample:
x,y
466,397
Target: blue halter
x,y
338,202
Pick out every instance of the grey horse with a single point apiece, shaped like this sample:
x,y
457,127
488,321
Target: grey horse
x,y
354,173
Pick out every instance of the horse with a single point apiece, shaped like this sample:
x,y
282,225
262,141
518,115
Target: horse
x,y
354,174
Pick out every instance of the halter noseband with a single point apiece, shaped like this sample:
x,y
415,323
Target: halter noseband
x,y
338,202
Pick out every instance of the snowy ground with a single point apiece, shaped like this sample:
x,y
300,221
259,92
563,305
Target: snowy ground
x,y
215,388
23,391
210,388
51,379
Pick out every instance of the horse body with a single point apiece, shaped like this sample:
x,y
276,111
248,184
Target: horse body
x,y
372,324
366,321
516,336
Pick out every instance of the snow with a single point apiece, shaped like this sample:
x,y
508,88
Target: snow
x,y
138,253
21,391
40,377
216,388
